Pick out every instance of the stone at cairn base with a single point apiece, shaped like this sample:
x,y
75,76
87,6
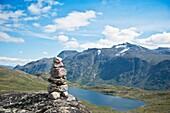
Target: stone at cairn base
x,y
56,95
55,88
64,94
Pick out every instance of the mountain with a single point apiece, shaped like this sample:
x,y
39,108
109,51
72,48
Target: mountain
x,y
10,67
42,65
163,50
124,64
11,80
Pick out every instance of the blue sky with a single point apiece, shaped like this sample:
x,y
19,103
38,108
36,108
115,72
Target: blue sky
x,y
34,29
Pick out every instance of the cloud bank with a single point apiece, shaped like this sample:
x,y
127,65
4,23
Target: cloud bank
x,y
14,61
71,22
4,37
114,36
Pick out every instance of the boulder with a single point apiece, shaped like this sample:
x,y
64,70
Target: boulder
x,y
54,95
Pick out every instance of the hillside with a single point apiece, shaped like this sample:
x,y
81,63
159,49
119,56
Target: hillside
x,y
122,65
11,80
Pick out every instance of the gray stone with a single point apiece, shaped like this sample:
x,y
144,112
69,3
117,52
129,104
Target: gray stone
x,y
56,88
70,98
58,72
63,88
57,81
64,94
54,95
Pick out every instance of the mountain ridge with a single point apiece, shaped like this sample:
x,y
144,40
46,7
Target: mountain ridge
x,y
124,64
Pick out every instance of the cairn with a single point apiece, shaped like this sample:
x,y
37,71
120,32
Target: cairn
x,y
58,86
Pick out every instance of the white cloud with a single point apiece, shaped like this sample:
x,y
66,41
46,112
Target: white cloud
x,y
156,40
5,28
33,8
29,33
42,6
61,38
4,37
14,61
6,15
36,24
117,35
56,3
102,43
112,36
17,25
73,21
31,18
46,9
72,44
50,28
45,53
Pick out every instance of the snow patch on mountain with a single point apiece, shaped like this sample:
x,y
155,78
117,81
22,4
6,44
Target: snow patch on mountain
x,y
121,53
99,52
121,46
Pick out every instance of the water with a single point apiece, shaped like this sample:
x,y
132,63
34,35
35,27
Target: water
x,y
115,102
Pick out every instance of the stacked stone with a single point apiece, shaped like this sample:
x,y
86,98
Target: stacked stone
x,y
58,86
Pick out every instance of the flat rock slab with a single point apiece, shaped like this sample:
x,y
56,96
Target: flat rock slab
x,y
39,103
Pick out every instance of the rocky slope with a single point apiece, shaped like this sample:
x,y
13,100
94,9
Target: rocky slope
x,y
124,64
39,103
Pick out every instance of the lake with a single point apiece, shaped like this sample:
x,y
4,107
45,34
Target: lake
x,y
115,102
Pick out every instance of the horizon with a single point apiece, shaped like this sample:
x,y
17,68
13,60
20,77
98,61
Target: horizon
x,y
34,60
35,29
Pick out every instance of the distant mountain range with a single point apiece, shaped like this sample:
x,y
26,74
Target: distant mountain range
x,y
10,67
122,65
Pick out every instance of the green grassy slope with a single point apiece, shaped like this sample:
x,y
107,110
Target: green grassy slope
x,y
15,80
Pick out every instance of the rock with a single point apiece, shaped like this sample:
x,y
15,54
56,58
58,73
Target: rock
x,y
57,62
58,72
39,103
58,86
70,98
64,94
54,95
58,81
55,88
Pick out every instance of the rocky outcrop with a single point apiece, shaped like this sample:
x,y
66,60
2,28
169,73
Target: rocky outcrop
x,y
39,103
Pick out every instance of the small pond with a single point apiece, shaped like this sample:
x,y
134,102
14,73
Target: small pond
x,y
115,102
